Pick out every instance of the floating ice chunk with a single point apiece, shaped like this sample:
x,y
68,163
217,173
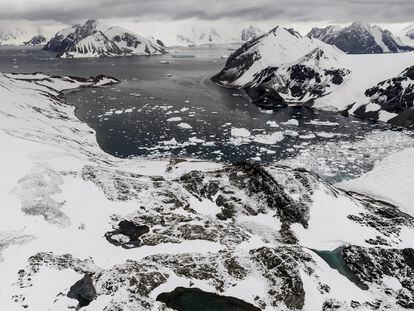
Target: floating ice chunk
x,y
184,126
291,133
272,123
196,140
307,136
325,134
171,142
324,123
209,144
266,111
293,122
184,109
240,132
174,119
269,139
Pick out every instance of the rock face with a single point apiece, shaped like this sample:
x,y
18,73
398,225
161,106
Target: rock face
x,y
36,40
391,100
93,39
360,38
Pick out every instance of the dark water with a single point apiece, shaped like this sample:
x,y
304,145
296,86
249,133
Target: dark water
x,y
336,261
194,299
131,119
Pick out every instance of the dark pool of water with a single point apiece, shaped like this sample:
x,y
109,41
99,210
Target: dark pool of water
x,y
161,110
336,261
194,299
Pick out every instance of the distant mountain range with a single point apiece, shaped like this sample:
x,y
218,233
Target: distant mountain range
x,y
282,68
210,35
360,38
94,39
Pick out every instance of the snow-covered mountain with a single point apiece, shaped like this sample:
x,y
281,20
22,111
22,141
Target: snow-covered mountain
x,y
94,39
282,68
299,82
277,47
250,33
36,40
360,38
391,100
82,229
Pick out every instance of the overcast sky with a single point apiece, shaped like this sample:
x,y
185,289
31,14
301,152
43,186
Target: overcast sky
x,y
170,13
384,11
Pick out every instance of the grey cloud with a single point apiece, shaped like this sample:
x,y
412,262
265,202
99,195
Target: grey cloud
x,y
383,11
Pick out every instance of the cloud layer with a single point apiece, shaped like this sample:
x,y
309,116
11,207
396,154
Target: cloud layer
x,y
339,11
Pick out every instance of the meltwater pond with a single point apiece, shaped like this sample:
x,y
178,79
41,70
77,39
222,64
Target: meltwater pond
x,y
171,108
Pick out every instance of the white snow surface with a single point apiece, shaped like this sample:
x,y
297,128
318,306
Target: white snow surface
x,y
391,180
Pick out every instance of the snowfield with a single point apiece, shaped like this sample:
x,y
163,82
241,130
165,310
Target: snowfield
x,y
82,229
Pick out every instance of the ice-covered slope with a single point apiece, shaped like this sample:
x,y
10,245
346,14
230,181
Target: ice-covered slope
x,y
360,38
94,39
392,180
80,228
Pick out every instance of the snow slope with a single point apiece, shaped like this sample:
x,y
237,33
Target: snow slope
x,y
391,180
121,231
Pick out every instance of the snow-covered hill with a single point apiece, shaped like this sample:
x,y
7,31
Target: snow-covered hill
x,y
81,229
94,39
360,38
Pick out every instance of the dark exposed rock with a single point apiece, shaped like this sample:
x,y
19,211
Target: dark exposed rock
x,y
128,230
83,291
372,265
194,299
281,268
